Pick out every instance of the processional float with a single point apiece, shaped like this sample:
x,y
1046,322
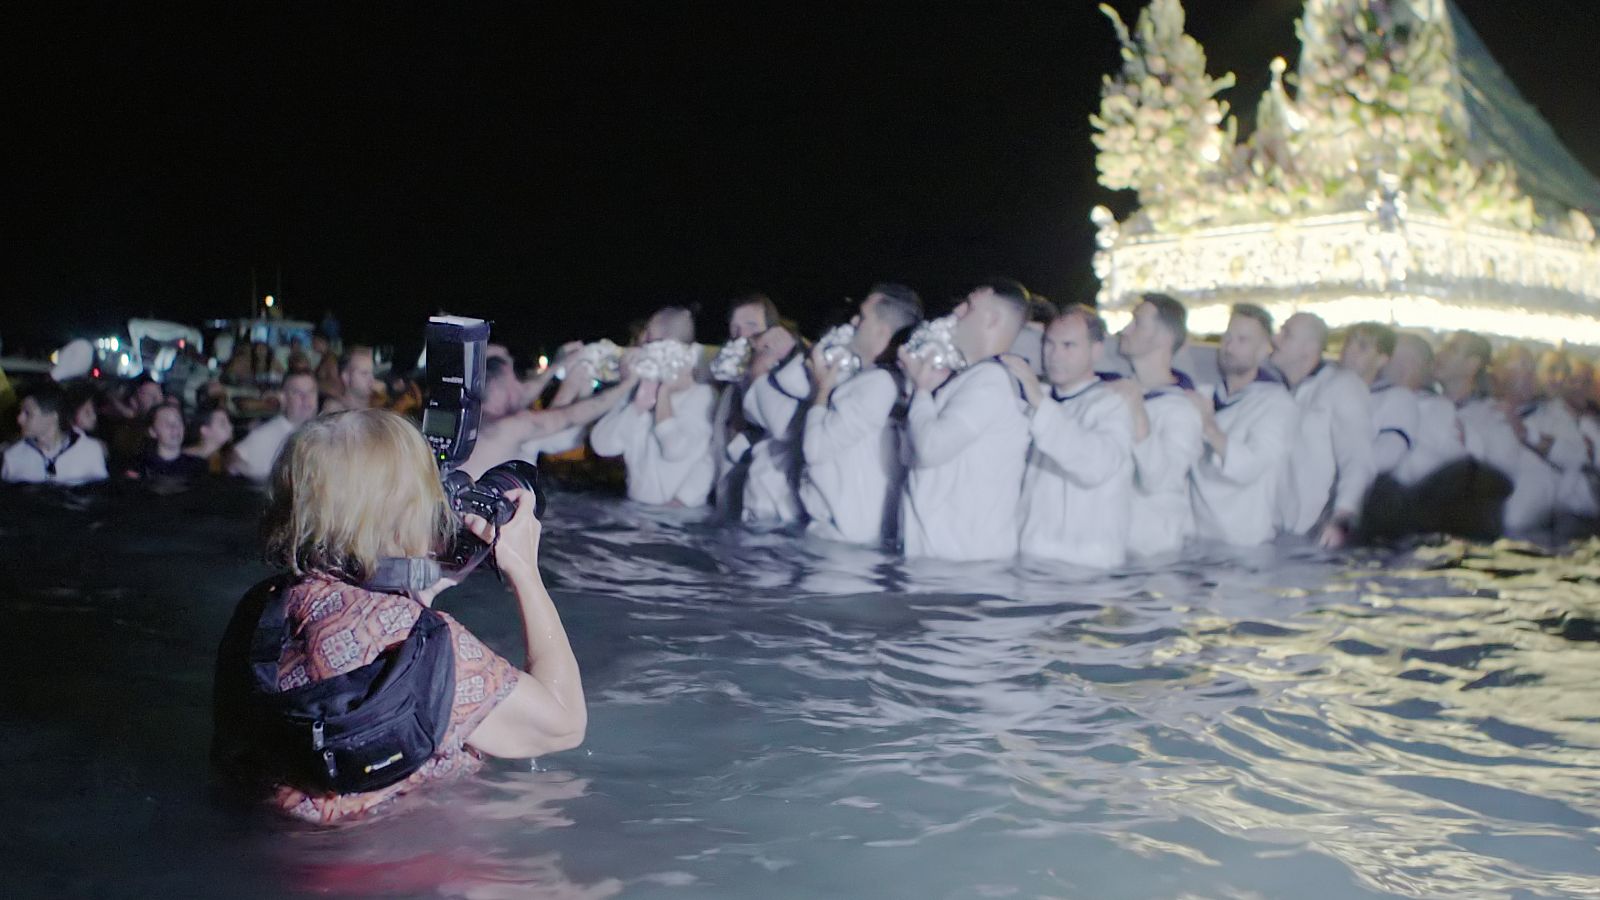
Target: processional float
x,y
1405,181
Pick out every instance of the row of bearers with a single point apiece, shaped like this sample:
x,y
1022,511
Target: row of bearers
x,y
990,459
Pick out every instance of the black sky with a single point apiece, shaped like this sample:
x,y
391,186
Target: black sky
x,y
564,170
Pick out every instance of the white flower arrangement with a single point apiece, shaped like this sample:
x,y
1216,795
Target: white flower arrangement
x,y
665,360
603,359
732,360
933,342
837,350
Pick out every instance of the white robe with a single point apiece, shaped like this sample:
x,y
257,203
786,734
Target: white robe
x,y
1078,487
80,462
1491,439
1234,496
1437,442
1160,518
1569,454
851,458
773,404
1331,459
967,446
666,462
1396,416
260,448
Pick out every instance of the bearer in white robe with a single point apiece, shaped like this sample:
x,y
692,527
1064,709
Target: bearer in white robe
x,y
1166,427
1079,481
967,437
1330,464
1249,423
1368,347
851,443
1558,416
748,317
1436,439
1494,430
779,388
663,434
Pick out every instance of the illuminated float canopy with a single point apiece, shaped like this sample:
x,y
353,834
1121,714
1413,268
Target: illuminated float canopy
x,y
1405,181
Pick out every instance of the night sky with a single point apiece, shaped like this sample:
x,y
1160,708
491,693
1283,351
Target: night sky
x,y
563,170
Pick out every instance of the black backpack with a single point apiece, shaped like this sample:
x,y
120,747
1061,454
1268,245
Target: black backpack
x,y
366,729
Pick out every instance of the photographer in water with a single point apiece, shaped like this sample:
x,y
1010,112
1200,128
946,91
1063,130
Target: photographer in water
x,y
304,649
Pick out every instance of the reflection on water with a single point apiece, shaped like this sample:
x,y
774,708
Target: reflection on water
x,y
772,716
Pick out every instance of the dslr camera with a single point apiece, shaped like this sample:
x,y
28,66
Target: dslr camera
x,y
455,356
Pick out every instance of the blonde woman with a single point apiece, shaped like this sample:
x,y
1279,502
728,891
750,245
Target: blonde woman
x,y
347,490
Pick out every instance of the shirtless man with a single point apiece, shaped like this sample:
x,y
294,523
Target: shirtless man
x,y
508,423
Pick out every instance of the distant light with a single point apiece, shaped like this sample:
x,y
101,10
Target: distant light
x,y
270,300
124,359
182,343
95,372
544,362
54,356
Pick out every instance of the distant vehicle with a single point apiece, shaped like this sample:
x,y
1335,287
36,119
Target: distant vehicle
x,y
227,335
147,347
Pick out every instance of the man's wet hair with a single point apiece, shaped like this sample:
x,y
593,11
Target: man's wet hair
x,y
1477,346
50,398
1380,335
1093,323
1042,310
1171,314
769,309
202,414
1255,313
898,305
351,352
1012,292
1423,347
496,367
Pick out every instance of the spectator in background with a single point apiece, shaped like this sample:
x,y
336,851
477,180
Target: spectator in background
x,y
213,432
163,455
51,452
253,457
129,431
356,382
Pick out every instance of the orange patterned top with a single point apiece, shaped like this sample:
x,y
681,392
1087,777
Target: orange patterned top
x,y
335,627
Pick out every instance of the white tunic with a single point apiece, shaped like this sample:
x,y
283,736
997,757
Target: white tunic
x,y
1078,487
1568,453
1234,495
1396,415
773,404
851,458
722,433
1437,441
667,462
1160,517
967,446
1331,459
82,461
260,448
1491,439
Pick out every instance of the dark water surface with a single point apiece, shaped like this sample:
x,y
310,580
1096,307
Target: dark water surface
x,y
776,717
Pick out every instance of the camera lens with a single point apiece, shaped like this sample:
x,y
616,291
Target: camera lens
x,y
512,475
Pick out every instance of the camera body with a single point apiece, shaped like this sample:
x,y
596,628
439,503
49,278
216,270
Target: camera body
x,y
457,350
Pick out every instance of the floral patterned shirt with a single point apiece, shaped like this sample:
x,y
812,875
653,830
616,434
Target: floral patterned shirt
x,y
335,627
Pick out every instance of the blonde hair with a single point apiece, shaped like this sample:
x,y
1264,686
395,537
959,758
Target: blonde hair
x,y
351,488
